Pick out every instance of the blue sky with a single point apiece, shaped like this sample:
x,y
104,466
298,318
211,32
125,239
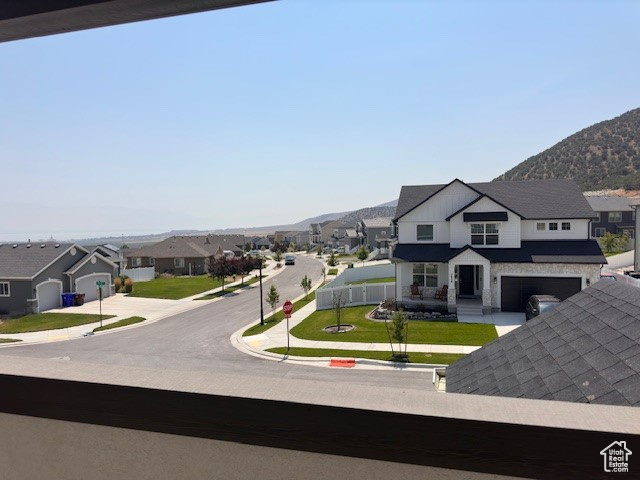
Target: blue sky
x,y
272,113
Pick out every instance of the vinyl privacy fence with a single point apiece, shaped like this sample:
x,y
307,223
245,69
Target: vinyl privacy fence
x,y
362,294
140,274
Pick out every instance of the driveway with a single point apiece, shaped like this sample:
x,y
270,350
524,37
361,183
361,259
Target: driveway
x,y
505,322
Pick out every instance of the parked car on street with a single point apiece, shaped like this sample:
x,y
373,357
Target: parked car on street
x,y
538,304
289,259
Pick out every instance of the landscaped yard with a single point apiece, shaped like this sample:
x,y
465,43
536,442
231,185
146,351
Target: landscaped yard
x,y
48,321
272,320
230,289
374,280
176,288
437,333
414,357
121,323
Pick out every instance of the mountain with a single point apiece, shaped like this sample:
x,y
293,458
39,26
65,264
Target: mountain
x,y
371,212
604,155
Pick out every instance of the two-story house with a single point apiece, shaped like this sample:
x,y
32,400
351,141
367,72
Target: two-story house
x,y
375,232
613,214
495,243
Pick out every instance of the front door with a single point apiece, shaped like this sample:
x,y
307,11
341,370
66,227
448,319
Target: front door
x,y
466,280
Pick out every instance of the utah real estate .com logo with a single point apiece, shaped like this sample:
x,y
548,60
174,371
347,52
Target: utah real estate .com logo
x,y
616,457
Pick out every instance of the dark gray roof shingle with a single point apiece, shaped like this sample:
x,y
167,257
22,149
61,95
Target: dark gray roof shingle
x,y
25,262
609,204
531,199
569,354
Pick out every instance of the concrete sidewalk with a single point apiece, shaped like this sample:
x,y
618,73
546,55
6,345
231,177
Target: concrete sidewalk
x,y
122,306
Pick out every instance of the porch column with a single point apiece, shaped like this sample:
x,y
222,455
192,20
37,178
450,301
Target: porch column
x,y
486,288
451,292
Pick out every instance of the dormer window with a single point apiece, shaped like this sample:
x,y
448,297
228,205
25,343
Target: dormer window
x,y
484,234
424,233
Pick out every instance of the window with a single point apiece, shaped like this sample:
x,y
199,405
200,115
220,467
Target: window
x,y
615,217
178,262
136,261
425,233
152,261
4,289
484,234
599,232
566,225
541,226
425,274
628,232
553,226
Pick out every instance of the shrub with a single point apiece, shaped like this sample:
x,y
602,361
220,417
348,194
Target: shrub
x,y
117,283
389,304
128,285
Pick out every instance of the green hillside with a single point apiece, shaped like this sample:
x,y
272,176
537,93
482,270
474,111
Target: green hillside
x,y
604,155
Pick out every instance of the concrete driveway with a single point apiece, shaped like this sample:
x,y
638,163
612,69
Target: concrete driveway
x,y
504,321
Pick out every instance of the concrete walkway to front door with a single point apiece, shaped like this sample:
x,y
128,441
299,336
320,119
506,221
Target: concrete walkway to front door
x,y
504,321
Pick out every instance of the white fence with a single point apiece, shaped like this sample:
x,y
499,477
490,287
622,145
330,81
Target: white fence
x,y
140,274
363,294
364,273
619,261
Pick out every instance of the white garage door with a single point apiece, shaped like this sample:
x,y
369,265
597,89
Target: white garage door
x,y
87,285
49,295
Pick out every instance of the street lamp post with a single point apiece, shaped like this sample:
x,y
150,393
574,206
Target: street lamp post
x,y
261,306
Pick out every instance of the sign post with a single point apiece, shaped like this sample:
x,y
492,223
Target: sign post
x,y
100,284
287,308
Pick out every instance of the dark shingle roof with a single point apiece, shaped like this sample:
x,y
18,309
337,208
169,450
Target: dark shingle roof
x,y
586,350
25,262
533,251
609,204
531,199
201,246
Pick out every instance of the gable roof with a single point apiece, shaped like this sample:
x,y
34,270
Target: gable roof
x,y
26,260
472,202
196,246
87,258
380,222
586,350
531,199
609,204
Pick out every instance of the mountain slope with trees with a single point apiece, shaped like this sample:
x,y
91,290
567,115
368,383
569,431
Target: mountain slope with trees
x,y
604,155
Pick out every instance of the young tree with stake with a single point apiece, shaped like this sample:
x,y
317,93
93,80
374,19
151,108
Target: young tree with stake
x,y
273,297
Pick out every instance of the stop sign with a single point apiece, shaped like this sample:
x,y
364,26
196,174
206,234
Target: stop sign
x,y
287,308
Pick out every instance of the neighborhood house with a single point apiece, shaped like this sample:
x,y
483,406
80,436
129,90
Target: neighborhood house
x,y
494,244
33,276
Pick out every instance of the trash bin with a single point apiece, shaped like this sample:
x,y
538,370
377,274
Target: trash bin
x,y
67,299
78,299
350,265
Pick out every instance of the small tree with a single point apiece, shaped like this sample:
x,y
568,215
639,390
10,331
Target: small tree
x,y
362,254
292,247
306,285
273,297
613,242
277,256
398,332
331,261
221,267
338,301
246,265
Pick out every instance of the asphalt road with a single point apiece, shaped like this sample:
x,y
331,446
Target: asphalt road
x,y
198,340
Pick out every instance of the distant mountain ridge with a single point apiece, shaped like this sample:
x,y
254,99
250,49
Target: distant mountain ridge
x,y
371,212
603,156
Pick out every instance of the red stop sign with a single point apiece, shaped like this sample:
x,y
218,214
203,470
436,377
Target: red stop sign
x,y
287,308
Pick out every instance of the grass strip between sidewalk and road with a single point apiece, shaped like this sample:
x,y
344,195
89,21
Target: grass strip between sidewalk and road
x,y
39,322
368,331
120,323
273,320
213,295
414,357
9,340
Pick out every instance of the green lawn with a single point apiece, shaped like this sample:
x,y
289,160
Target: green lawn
x,y
175,288
230,289
121,323
271,320
9,340
374,280
48,321
414,357
437,333
332,271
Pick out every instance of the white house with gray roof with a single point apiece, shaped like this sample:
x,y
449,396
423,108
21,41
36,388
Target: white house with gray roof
x,y
33,276
494,244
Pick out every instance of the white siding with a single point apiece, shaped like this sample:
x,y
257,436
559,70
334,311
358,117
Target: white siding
x,y
509,231
579,230
435,211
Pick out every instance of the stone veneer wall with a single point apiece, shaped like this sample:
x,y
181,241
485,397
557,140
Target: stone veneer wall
x,y
582,270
